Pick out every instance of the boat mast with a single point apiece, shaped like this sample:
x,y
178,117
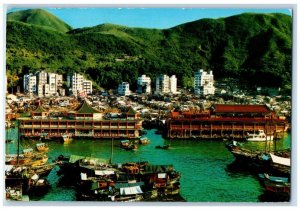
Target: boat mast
x,y
266,134
6,140
18,143
112,151
275,136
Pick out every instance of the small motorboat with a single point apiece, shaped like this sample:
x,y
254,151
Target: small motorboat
x,y
66,138
144,141
260,136
163,147
127,145
42,147
9,141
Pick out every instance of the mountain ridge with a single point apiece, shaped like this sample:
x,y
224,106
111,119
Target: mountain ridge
x,y
242,46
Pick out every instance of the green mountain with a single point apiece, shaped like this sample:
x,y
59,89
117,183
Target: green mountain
x,y
256,48
39,17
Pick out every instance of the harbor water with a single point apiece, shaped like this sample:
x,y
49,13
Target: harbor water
x,y
205,165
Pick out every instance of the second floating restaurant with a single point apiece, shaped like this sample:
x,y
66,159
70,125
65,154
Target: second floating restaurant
x,y
223,121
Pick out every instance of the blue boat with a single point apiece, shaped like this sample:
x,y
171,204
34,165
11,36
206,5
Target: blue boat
x,y
275,179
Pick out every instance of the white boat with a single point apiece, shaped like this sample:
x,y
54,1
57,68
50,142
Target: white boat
x,y
260,136
144,140
66,138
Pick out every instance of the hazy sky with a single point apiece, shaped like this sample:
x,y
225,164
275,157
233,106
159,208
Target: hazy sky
x,y
145,17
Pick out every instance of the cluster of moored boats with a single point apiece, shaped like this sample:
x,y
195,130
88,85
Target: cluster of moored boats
x,y
93,178
96,179
25,173
273,169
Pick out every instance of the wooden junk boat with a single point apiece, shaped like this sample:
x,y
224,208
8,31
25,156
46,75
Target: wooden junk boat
x,y
277,162
37,185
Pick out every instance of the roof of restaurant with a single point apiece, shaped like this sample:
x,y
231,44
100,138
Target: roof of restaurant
x,y
131,111
39,109
85,108
225,108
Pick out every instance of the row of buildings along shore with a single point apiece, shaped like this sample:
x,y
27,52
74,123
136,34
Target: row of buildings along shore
x,y
44,84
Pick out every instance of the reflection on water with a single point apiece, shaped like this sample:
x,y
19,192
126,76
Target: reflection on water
x,y
202,164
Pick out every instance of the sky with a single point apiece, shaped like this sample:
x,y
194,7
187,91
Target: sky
x,y
160,18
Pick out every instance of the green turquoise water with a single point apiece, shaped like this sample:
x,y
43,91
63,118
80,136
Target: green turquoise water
x,y
203,165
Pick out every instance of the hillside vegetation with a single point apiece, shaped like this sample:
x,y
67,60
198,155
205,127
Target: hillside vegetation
x,y
256,48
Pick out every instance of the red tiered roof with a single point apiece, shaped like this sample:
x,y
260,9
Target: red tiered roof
x,y
224,108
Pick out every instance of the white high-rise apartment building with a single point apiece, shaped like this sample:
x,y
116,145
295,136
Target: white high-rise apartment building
x,y
74,82
48,83
166,84
144,84
87,86
59,80
29,83
46,90
204,83
41,77
173,84
52,83
162,84
123,89
77,83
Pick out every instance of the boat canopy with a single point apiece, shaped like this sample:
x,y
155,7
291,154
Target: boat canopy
x,y
124,141
83,176
101,173
158,168
125,185
94,161
27,150
280,160
161,175
40,144
74,158
8,168
131,190
35,177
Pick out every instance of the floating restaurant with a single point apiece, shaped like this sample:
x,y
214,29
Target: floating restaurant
x,y
85,121
225,121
